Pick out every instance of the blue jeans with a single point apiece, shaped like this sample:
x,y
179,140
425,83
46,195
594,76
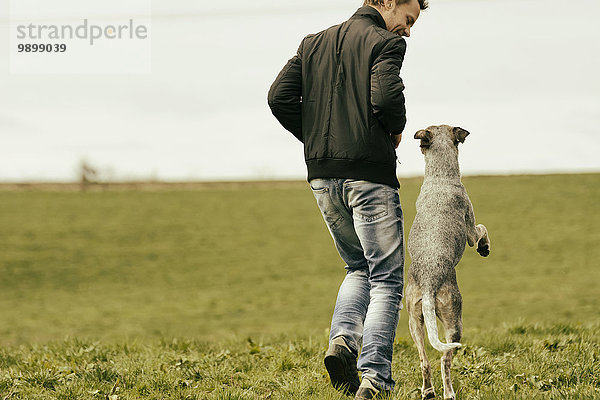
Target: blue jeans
x,y
366,223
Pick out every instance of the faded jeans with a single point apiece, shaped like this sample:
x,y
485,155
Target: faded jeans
x,y
366,223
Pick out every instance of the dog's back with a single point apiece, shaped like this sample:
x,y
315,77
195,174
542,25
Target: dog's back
x,y
437,237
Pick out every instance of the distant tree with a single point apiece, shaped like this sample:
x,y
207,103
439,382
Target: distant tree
x,y
87,174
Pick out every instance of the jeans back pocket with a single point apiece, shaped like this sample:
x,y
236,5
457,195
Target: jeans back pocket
x,y
369,201
333,218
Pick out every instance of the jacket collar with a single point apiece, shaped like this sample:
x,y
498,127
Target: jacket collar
x,y
371,13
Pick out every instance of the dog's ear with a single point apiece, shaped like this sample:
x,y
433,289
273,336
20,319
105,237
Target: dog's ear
x,y
459,134
425,136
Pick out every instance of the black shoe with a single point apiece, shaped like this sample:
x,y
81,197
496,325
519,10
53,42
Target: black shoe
x,y
369,391
341,366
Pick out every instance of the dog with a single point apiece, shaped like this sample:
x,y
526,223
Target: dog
x,y
436,243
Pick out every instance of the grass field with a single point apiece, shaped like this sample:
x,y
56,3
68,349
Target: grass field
x,y
227,293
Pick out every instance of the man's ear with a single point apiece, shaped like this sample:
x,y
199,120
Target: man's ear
x,y
459,134
425,136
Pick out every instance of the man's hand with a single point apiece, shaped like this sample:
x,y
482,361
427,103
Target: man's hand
x,y
396,140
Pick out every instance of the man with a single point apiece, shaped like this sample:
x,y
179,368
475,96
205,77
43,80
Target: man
x,y
341,96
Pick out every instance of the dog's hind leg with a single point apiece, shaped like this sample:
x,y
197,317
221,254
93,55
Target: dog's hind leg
x,y
450,314
416,325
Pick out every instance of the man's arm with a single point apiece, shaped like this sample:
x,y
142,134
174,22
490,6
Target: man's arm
x,y
285,96
387,98
396,139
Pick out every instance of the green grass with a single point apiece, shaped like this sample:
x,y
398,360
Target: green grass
x,y
511,361
104,286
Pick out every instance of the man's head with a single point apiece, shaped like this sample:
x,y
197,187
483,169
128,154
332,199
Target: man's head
x,y
399,15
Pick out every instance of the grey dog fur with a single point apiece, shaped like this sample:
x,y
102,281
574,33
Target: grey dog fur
x,y
444,223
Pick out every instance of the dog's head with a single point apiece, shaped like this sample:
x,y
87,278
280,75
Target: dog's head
x,y
441,137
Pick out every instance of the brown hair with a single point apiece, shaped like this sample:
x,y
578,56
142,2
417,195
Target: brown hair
x,y
422,3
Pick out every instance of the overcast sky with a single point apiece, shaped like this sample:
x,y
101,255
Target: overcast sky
x,y
520,75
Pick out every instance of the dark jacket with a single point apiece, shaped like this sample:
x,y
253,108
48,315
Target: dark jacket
x,y
341,96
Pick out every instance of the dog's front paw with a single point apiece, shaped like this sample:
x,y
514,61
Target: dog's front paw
x,y
483,247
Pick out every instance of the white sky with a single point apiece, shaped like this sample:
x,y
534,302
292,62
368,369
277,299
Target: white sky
x,y
520,75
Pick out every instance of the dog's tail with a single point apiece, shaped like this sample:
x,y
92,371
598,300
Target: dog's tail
x,y
431,324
